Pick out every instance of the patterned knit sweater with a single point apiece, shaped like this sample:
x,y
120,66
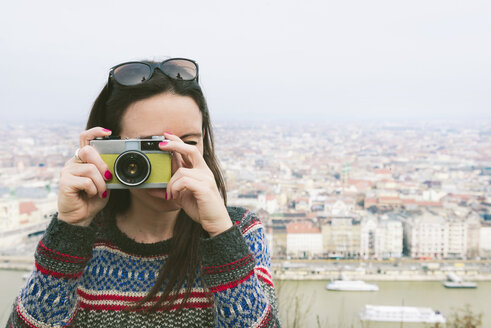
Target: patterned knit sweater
x,y
86,277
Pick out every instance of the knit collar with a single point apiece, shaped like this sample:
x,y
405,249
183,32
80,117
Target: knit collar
x,y
113,234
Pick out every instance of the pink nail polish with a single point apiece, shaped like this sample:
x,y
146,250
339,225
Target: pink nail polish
x,y
165,195
106,130
163,143
104,194
169,133
108,175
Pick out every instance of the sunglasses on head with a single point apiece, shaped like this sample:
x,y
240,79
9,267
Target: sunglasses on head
x,y
133,73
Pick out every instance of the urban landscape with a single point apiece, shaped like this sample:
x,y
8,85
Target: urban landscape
x,y
361,192
383,201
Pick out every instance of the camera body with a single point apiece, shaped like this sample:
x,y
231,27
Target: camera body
x,y
134,163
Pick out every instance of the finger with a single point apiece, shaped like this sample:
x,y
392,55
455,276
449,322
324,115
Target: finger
x,y
176,162
91,134
88,170
88,154
181,185
192,173
191,155
181,173
76,184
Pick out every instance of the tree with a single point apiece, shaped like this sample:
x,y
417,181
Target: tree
x,y
463,318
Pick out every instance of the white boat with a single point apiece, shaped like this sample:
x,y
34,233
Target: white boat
x,y
462,284
454,281
399,314
351,285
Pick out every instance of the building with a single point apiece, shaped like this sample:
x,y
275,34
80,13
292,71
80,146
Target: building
x,y
427,236
279,241
473,236
457,238
28,211
388,239
341,237
485,237
367,238
303,240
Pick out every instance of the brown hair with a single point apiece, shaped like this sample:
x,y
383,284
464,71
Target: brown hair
x,y
184,257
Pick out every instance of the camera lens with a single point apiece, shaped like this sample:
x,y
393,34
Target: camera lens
x,y
132,168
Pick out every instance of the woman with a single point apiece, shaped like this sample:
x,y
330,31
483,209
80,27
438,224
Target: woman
x,y
149,257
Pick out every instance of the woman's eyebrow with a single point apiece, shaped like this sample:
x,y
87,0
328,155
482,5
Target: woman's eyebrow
x,y
195,134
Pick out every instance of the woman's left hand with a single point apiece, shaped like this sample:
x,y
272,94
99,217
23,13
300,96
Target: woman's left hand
x,y
193,187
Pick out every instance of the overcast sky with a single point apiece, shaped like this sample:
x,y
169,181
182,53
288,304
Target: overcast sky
x,y
280,59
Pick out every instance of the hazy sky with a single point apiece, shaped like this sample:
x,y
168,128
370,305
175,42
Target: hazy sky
x,y
288,60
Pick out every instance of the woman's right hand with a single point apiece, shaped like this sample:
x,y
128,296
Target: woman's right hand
x,y
82,190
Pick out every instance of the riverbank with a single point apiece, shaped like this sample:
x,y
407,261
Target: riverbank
x,y
377,277
401,270
19,262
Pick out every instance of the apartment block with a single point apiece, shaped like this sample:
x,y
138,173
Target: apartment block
x,y
303,239
341,238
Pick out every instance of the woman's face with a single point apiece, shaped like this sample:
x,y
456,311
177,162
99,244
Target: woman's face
x,y
167,112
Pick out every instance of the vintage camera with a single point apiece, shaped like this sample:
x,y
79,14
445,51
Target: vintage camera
x,y
134,163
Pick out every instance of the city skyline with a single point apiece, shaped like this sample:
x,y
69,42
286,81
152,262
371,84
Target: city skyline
x,y
339,180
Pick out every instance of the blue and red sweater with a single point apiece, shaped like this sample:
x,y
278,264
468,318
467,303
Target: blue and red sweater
x,y
86,277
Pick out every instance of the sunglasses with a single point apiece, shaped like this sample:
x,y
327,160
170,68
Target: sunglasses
x,y
133,73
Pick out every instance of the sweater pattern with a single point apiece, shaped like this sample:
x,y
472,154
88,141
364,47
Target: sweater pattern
x,y
71,287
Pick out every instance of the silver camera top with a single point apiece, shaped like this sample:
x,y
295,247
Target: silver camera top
x,y
116,145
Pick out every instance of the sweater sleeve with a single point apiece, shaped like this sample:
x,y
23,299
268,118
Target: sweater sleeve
x,y
49,297
236,269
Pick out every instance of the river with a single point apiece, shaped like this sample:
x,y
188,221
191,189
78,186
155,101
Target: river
x,y
333,309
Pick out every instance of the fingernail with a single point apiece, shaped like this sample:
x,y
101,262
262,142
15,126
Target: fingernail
x,y
106,130
104,194
169,133
108,175
165,195
163,143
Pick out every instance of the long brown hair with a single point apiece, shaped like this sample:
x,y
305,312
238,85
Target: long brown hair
x,y
184,257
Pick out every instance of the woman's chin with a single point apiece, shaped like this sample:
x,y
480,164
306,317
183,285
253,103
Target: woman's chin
x,y
153,199
156,192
